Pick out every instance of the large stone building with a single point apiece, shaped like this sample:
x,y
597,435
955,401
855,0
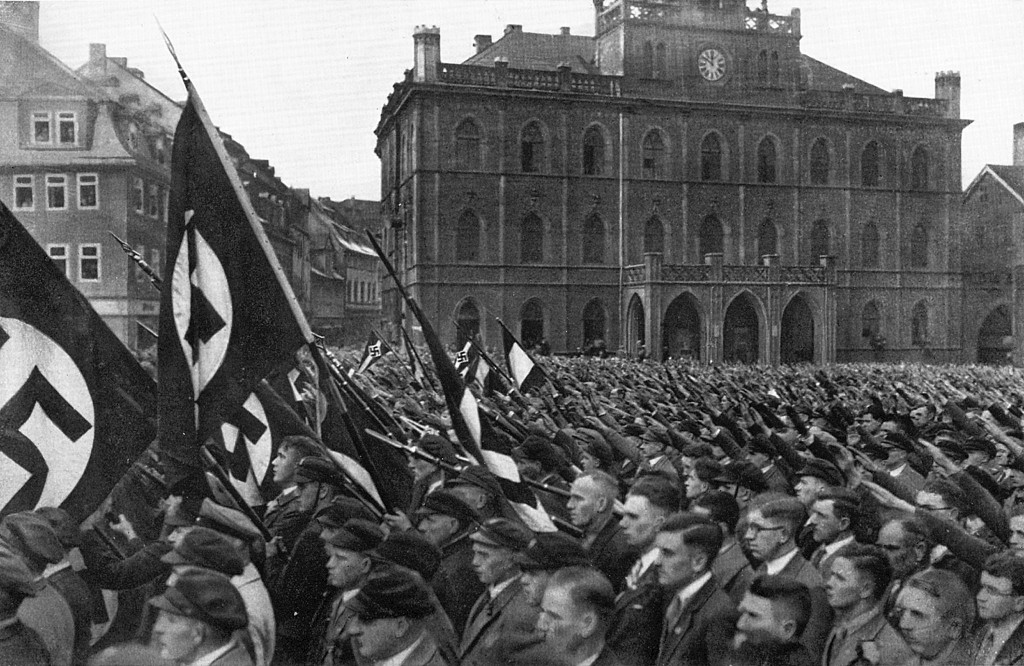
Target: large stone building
x,y
993,260
686,178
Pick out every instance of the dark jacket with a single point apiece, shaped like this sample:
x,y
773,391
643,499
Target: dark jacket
x,y
611,554
1012,652
22,646
502,630
701,634
817,629
635,631
455,583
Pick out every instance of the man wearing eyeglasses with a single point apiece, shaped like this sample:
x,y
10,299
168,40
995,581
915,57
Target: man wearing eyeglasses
x,y
1000,598
771,538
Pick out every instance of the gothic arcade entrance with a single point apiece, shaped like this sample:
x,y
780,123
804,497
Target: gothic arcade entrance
x,y
636,331
797,339
740,339
995,339
681,329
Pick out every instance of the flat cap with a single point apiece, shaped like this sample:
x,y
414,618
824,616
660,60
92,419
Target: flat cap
x,y
899,441
203,547
552,550
440,448
447,503
392,592
824,470
357,535
411,550
315,469
15,575
340,510
980,444
205,595
227,521
31,535
64,526
480,477
502,533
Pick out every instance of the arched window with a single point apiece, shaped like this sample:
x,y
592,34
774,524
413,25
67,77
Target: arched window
x,y
531,146
762,67
468,317
767,238
871,322
819,240
710,240
870,173
467,145
531,323
654,154
773,68
919,246
919,325
593,152
593,322
711,158
531,240
648,63
919,169
820,162
593,240
467,238
660,62
766,160
869,242
654,235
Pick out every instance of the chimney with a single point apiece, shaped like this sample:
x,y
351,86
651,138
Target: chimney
x,y
513,27
1018,145
481,43
564,31
98,57
427,53
21,18
947,87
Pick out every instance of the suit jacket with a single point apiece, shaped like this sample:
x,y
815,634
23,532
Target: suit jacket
x,y
502,630
236,656
910,478
732,571
842,650
817,629
455,582
50,617
611,554
1012,652
426,653
607,657
79,597
635,631
22,646
700,636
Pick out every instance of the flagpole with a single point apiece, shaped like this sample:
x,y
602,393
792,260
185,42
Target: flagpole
x,y
484,355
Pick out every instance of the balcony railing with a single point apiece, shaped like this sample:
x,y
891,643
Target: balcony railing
x,y
503,76
725,274
867,103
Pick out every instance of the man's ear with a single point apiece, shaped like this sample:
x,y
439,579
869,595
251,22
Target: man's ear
x,y
789,629
602,504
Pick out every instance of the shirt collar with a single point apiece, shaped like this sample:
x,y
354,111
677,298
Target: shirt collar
x,y
210,657
836,545
858,621
646,560
250,574
898,470
498,588
54,568
685,594
399,658
779,563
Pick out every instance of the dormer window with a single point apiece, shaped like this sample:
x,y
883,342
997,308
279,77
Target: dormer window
x,y
42,129
67,128
133,137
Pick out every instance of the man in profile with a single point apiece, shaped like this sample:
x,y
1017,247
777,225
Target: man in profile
x,y
773,614
575,612
591,507
936,610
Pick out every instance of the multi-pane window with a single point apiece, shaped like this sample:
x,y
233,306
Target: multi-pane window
x,y
531,240
88,191
820,162
870,172
919,246
653,155
654,236
767,238
67,128
138,195
467,238
593,152
56,191
24,193
711,158
593,240
467,144
59,256
532,148
42,127
711,238
820,241
766,159
919,325
89,262
919,169
153,200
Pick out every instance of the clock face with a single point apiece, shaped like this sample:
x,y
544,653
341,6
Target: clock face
x,y
711,64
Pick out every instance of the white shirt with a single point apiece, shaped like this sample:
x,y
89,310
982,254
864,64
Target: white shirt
x,y
498,588
687,592
589,660
836,545
642,565
898,470
211,657
399,659
779,563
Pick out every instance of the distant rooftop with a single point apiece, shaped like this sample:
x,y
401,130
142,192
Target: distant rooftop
x,y
532,50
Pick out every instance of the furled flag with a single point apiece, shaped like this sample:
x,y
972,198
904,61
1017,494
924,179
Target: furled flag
x,y
524,370
419,371
375,348
228,315
474,432
76,408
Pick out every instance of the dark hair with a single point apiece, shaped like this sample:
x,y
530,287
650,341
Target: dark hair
x,y
306,446
1007,565
698,450
659,491
707,469
697,532
870,561
788,510
954,601
789,595
722,507
845,504
915,530
950,493
589,588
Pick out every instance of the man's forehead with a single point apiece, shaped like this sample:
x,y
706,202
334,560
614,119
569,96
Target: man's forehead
x,y
919,600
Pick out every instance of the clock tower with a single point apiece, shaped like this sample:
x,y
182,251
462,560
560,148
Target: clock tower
x,y
698,48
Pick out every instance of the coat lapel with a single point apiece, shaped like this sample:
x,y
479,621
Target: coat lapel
x,y
674,635
483,619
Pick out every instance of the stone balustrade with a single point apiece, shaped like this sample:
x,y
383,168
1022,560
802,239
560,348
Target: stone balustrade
x,y
714,271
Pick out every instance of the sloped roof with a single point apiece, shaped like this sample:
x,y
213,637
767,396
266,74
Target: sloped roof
x,y
27,68
1010,177
825,77
532,50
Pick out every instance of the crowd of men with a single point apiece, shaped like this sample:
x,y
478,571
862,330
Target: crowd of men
x,y
851,514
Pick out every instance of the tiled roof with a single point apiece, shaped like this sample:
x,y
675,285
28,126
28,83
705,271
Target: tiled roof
x,y
1011,175
824,77
531,50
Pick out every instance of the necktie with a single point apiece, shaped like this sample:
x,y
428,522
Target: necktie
x,y
834,643
672,615
817,557
987,654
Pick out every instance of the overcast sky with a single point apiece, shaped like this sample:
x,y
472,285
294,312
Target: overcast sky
x,y
301,83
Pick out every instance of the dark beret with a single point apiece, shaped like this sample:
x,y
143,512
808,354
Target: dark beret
x,y
440,448
824,470
315,469
340,510
707,469
980,444
899,440
31,535
633,430
480,477
392,592
552,550
63,525
411,550
15,575
447,503
203,547
503,533
205,595
356,535
227,521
